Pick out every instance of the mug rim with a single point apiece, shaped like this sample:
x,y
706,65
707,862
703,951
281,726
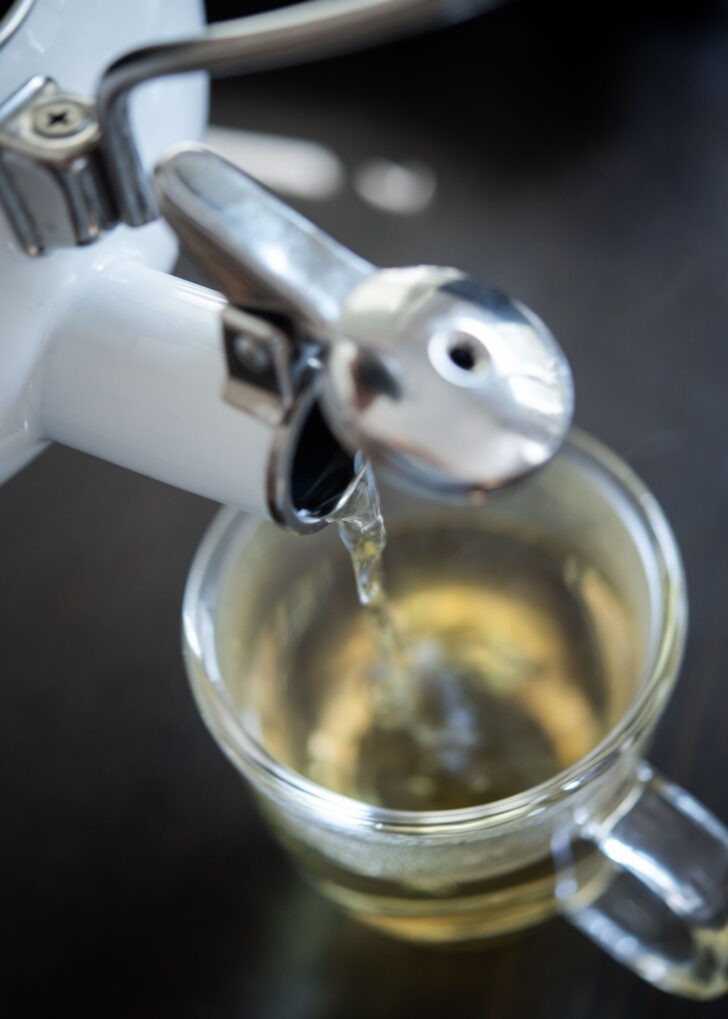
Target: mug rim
x,y
264,770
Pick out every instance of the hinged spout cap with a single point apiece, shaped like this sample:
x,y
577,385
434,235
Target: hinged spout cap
x,y
448,386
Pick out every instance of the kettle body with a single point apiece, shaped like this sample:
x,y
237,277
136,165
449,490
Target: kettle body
x,y
71,41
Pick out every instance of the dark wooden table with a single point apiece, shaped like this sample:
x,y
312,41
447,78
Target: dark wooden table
x,y
583,167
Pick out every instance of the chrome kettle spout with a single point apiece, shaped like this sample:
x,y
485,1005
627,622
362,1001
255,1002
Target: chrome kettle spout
x,y
450,388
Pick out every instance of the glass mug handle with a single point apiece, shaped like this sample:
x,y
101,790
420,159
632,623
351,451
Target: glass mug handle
x,y
662,909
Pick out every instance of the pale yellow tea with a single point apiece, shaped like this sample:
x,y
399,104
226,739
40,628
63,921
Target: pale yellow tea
x,y
494,662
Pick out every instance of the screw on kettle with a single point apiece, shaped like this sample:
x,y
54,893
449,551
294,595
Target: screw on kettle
x,y
60,118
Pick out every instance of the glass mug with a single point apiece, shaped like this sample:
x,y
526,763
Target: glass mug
x,y
576,823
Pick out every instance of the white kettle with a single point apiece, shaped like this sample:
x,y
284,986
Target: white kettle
x,y
266,394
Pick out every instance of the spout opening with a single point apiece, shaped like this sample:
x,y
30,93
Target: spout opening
x,y
310,472
321,469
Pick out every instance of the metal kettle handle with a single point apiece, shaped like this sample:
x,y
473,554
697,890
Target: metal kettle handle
x,y
69,166
305,31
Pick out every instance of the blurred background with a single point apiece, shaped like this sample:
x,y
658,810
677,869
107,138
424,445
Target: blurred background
x,y
575,157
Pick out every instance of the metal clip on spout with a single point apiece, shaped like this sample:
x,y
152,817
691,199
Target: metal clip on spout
x,y
449,387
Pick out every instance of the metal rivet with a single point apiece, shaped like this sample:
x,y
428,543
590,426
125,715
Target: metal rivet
x,y
251,354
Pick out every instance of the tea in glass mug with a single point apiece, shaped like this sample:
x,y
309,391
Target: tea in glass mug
x,y
470,764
